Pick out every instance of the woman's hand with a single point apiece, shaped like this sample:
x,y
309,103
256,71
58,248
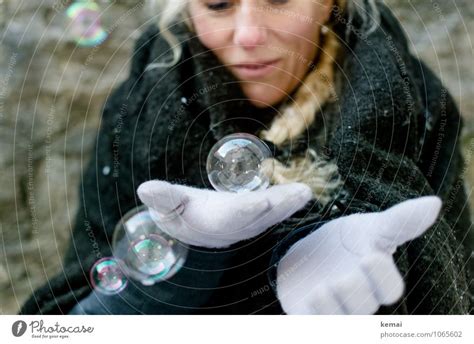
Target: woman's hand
x,y
214,219
346,266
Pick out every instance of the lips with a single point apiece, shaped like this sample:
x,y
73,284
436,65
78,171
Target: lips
x,y
255,69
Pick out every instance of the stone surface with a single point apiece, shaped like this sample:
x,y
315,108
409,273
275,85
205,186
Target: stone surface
x,y
51,97
441,33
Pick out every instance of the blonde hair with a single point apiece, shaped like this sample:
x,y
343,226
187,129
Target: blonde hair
x,y
172,11
316,90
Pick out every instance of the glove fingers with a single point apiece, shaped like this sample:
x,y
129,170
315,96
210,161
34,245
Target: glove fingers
x,y
409,220
245,220
252,210
384,278
227,205
260,209
355,294
252,213
286,199
323,302
161,196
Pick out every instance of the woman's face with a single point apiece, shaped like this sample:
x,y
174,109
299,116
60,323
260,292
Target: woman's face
x,y
267,44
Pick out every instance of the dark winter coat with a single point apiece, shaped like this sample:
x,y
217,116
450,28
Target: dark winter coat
x,y
393,132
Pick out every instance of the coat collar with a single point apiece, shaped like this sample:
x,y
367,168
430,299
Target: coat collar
x,y
219,92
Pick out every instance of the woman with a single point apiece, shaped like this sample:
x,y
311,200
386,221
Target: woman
x,y
361,130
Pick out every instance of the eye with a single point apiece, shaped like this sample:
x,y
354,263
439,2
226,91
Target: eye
x,y
278,2
219,6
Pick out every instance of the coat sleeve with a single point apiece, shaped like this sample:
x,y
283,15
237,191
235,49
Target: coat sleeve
x,y
97,211
435,265
396,147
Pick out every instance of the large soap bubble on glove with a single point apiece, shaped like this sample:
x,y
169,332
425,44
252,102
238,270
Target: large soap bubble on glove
x,y
239,163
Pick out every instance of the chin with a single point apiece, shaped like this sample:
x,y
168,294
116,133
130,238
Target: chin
x,y
264,97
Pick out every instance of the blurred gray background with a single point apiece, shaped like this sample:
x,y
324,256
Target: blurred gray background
x,y
52,93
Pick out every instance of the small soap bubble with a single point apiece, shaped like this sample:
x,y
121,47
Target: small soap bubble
x,y
239,163
107,276
86,28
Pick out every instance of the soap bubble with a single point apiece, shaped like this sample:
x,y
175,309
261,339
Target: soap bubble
x,y
86,28
107,277
238,163
147,254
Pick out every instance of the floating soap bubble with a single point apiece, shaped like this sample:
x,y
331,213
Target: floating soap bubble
x,y
238,163
146,253
86,28
107,277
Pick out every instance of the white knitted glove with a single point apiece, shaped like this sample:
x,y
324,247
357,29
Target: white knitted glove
x,y
346,266
212,219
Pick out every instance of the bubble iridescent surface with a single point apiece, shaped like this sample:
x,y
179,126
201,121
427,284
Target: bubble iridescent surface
x,y
236,162
107,276
150,255
147,254
86,28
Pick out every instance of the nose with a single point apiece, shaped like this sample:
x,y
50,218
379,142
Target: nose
x,y
250,30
